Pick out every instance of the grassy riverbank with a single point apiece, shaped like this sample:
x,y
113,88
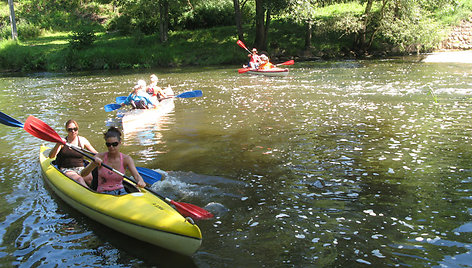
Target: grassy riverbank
x,y
215,46
203,47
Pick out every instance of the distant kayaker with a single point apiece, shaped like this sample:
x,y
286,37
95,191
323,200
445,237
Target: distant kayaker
x,y
265,64
108,181
254,60
70,162
138,98
156,92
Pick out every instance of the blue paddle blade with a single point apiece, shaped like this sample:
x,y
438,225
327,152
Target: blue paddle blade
x,y
9,121
190,94
149,176
198,93
112,107
120,99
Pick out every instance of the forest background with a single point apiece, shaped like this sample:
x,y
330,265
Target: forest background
x,y
71,35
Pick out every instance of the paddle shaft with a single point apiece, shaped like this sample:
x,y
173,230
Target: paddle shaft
x,y
180,206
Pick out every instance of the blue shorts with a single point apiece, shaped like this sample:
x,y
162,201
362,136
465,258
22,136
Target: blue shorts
x,y
120,191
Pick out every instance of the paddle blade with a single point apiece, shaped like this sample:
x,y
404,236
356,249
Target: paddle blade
x,y
241,44
198,93
41,130
192,211
290,62
9,121
112,107
121,99
149,176
190,94
244,70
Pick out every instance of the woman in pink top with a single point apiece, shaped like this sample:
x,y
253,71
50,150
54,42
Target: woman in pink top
x,y
108,181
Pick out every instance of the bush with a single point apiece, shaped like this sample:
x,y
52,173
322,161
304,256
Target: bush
x,y
82,38
209,14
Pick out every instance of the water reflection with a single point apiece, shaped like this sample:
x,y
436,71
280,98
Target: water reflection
x,y
337,164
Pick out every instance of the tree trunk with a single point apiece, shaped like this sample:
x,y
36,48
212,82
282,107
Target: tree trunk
x,y
260,31
308,35
266,30
237,16
14,33
164,20
362,37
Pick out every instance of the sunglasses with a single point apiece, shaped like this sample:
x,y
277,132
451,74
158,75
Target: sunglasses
x,y
114,144
72,129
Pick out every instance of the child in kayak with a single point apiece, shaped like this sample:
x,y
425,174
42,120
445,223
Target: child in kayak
x,y
110,182
138,98
265,63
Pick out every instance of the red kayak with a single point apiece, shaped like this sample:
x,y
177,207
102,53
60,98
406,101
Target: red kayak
x,y
269,72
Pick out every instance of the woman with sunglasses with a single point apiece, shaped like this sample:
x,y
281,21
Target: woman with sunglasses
x,y
108,181
70,162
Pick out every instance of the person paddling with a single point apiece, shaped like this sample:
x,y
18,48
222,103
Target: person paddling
x,y
156,92
70,162
254,60
138,98
110,182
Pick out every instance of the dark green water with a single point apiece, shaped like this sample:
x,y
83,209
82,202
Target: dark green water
x,y
340,164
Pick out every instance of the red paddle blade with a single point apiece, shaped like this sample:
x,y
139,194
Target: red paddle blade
x,y
241,44
290,62
192,211
243,70
41,130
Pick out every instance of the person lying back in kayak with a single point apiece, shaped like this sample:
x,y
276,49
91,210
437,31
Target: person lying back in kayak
x,y
70,162
108,181
138,98
265,64
156,92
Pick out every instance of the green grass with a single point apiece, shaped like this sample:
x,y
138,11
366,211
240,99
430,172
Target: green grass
x,y
214,46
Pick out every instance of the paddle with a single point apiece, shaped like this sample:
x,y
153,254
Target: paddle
x,y
111,107
241,44
149,176
41,130
290,62
121,99
244,70
185,95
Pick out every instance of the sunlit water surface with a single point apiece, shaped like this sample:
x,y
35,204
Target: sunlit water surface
x,y
338,164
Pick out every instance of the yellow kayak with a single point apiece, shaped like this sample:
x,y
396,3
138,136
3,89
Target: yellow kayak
x,y
141,215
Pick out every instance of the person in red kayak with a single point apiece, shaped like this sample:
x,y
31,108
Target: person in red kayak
x,y
254,60
265,63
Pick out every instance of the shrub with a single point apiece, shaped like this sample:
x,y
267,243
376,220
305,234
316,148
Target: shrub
x,y
82,38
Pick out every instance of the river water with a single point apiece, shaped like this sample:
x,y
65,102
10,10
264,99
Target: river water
x,y
341,163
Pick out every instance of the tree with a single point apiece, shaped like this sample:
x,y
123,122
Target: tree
x,y
264,10
303,11
164,20
14,32
237,17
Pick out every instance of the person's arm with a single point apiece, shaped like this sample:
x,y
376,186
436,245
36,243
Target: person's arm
x,y
128,100
54,151
129,164
97,161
